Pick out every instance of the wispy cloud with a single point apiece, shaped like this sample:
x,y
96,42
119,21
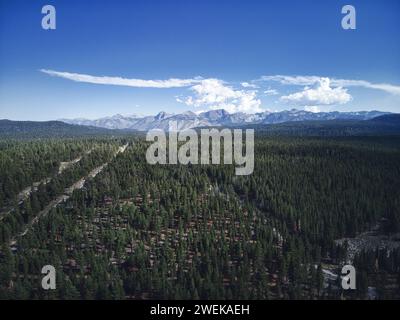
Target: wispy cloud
x,y
361,83
118,81
271,92
248,85
311,80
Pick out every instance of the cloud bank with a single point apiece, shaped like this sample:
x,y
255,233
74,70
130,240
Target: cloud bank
x,y
214,94
210,93
320,94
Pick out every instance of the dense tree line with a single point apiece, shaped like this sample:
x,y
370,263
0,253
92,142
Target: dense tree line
x,y
187,232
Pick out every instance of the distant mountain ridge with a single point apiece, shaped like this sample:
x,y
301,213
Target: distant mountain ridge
x,y
390,119
219,117
386,124
47,129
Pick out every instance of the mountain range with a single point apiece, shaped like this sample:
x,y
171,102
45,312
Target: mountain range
x,y
220,117
387,124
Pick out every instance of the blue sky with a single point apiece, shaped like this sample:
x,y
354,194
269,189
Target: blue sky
x,y
140,57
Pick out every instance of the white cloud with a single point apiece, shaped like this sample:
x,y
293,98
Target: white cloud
x,y
248,85
118,81
271,92
179,99
310,80
314,109
214,94
292,80
210,93
320,94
